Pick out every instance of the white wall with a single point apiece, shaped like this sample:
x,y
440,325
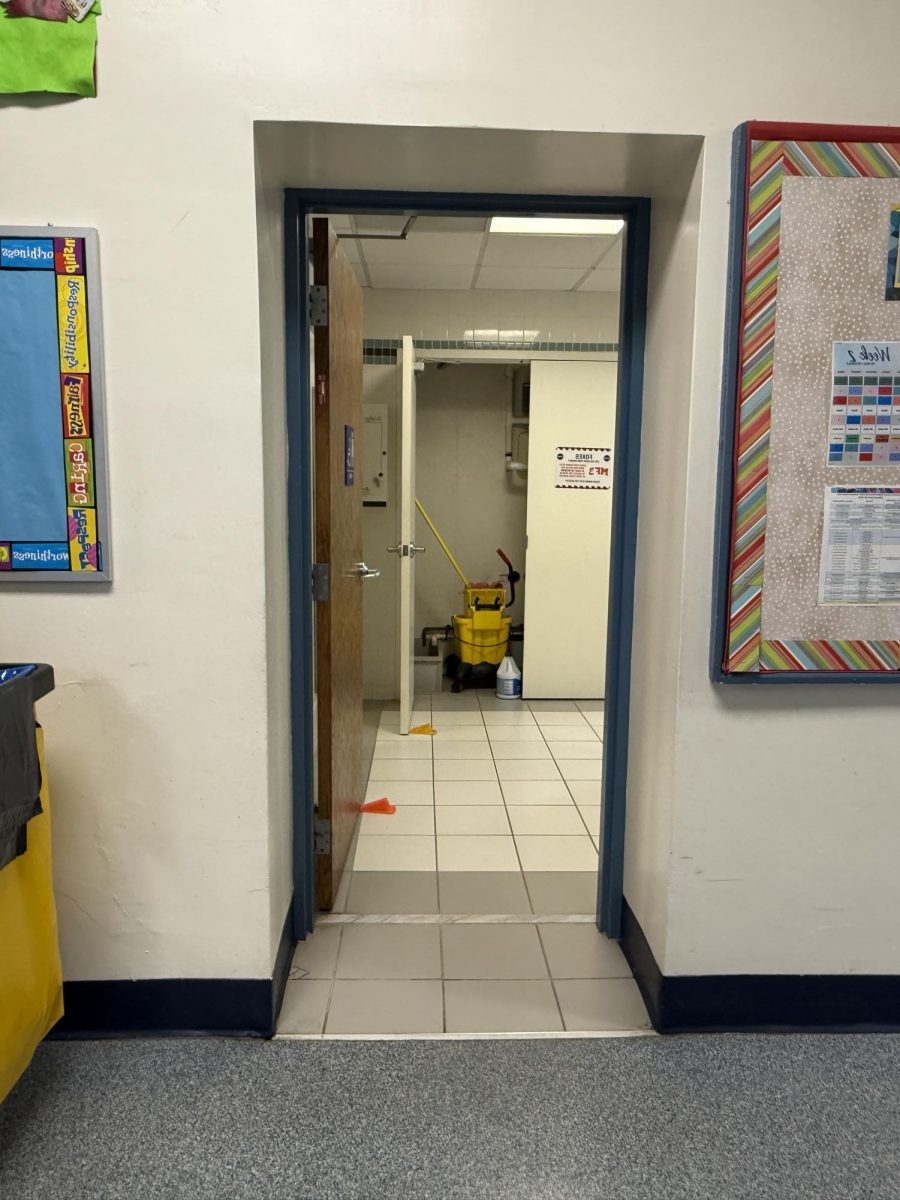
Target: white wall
x,y
661,590
270,236
165,845
569,533
463,483
698,919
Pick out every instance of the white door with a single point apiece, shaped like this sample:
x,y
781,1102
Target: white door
x,y
571,428
406,551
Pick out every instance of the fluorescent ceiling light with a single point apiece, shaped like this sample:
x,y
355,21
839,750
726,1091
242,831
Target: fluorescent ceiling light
x,y
559,226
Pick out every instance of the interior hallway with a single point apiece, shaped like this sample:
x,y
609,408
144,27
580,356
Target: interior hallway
x,y
505,792
701,1117
471,908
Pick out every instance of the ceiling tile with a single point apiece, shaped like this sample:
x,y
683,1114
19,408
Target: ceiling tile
x,y
452,278
604,279
511,250
350,247
425,250
381,223
527,279
450,225
613,258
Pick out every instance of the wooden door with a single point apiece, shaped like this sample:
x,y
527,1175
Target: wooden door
x,y
569,526
338,546
406,636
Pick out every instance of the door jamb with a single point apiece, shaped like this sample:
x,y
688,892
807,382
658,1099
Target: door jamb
x,y
298,205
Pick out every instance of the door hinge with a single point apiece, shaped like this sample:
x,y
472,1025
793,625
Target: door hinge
x,y
318,304
321,581
321,836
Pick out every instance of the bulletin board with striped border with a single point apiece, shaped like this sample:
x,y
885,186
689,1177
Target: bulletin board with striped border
x,y
54,518
764,154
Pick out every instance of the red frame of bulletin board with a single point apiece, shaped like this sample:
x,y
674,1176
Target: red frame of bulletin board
x,y
764,154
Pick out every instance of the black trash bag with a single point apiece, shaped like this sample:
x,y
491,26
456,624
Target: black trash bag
x,y
20,772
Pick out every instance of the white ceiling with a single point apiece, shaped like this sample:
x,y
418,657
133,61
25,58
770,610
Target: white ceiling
x,y
460,254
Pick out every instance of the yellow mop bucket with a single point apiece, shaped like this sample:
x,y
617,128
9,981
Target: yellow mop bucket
x,y
481,633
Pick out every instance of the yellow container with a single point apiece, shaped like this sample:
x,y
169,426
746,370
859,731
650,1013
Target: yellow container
x,y
476,644
482,632
30,972
484,605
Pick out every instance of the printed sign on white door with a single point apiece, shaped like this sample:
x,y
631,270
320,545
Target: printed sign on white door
x,y
584,467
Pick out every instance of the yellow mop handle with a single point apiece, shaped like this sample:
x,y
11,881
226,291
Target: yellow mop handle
x,y
443,545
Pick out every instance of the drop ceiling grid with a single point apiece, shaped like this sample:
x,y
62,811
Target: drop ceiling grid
x,y
461,254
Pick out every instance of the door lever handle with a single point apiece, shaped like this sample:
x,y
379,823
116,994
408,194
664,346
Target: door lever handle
x,y
365,572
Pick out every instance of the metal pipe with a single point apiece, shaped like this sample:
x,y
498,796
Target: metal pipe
x,y
437,633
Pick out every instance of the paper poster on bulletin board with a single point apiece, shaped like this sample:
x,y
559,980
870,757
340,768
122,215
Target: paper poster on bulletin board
x,y
860,546
806,591
53,496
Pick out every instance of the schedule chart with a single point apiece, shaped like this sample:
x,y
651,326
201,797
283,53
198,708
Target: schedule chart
x,y
865,407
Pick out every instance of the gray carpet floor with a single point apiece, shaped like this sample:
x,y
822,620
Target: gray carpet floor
x,y
716,1117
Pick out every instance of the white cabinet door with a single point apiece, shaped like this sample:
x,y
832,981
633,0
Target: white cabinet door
x,y
573,416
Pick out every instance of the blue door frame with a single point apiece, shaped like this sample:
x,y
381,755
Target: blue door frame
x,y
298,205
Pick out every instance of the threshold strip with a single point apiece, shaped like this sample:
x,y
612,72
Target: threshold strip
x,y
500,1036
455,919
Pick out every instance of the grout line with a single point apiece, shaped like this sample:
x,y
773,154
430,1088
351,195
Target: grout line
x,y
581,815
437,874
505,806
528,894
509,823
562,1019
333,980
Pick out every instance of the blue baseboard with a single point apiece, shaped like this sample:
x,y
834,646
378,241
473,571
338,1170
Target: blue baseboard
x,y
759,1003
115,1008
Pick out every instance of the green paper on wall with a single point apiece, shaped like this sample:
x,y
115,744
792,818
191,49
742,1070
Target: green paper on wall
x,y
48,56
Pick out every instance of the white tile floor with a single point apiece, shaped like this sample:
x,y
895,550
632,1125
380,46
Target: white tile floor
x,y
494,842
532,977
484,765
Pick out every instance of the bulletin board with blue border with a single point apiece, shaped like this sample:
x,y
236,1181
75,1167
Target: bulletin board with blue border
x,y
53,489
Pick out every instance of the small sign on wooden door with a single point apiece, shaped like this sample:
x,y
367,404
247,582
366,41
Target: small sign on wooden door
x,y
349,457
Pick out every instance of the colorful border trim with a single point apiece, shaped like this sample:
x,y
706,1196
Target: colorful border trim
x,y
66,257
773,152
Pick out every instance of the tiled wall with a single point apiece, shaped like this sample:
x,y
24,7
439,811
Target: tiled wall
x,y
384,350
493,317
